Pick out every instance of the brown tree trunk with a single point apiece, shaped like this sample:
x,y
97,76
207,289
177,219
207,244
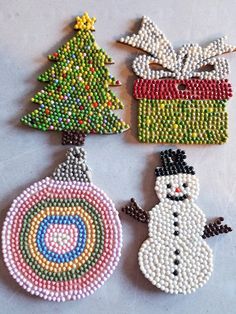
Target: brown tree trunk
x,y
72,138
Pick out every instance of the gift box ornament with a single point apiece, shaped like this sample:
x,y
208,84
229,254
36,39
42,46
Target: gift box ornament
x,y
175,257
77,99
62,237
182,95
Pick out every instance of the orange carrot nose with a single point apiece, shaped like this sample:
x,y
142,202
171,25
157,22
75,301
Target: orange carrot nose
x,y
178,190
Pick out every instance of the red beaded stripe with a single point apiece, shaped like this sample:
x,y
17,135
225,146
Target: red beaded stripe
x,y
182,89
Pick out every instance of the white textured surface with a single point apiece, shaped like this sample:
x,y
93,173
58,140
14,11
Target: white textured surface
x,y
121,166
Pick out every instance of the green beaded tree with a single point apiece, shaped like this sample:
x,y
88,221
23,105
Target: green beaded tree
x,y
77,99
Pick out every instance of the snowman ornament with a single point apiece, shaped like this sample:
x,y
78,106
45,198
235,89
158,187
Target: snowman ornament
x,y
175,257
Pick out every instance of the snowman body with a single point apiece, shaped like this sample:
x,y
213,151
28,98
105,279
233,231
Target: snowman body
x,y
175,258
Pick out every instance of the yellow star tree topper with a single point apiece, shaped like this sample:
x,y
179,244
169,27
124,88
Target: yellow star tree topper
x,y
85,22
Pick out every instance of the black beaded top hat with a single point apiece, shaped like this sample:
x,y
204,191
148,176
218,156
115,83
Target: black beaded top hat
x,y
173,163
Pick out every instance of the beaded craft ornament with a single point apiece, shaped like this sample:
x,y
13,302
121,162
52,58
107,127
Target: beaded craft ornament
x,y
77,99
62,239
175,257
182,95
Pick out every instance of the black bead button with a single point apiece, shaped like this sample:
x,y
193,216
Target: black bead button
x,y
175,214
176,223
175,273
176,262
176,233
177,252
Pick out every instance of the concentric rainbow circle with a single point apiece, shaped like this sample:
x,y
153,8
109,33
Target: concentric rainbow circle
x,y
61,240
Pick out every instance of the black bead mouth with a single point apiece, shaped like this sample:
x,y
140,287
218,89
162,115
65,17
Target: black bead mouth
x,y
177,198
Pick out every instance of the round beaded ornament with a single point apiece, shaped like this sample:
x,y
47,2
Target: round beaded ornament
x,y
62,236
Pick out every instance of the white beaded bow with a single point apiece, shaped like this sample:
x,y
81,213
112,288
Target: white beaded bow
x,y
189,62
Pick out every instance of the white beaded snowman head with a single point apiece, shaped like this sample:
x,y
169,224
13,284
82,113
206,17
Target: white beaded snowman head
x,y
176,181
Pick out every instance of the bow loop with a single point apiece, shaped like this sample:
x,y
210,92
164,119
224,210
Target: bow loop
x,y
190,61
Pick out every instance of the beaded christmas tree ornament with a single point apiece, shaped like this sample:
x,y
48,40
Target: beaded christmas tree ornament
x,y
175,257
77,99
182,95
62,236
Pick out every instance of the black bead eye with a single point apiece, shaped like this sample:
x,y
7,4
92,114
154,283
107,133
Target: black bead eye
x,y
168,185
185,185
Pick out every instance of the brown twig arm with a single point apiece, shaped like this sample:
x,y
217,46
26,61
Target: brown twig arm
x,y
215,228
133,210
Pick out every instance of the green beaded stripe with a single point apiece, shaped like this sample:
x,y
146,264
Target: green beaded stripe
x,y
182,121
71,274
